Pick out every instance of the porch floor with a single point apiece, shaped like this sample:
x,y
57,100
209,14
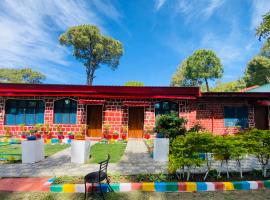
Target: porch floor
x,y
136,160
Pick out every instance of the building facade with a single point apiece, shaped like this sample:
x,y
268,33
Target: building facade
x,y
94,109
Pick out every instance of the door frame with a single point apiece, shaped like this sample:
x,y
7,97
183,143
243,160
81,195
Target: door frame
x,y
86,121
143,119
266,117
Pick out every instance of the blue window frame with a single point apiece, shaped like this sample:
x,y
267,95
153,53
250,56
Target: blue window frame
x,y
28,112
236,116
65,111
166,107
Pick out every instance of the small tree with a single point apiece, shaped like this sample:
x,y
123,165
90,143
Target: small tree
x,y
258,144
186,152
229,148
203,65
92,48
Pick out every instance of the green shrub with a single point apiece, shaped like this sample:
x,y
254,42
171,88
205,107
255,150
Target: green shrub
x,y
185,151
170,125
258,144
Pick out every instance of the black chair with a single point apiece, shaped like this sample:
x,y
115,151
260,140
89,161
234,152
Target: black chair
x,y
98,177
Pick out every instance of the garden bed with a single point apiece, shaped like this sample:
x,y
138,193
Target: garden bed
x,y
99,152
117,178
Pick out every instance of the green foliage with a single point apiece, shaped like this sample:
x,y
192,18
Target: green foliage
x,y
196,128
92,48
257,71
170,125
258,144
26,75
265,50
203,65
263,30
185,150
134,83
233,86
179,77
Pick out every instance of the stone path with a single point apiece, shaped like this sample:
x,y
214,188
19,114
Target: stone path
x,y
136,160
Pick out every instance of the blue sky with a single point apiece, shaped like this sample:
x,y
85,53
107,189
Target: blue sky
x,y
157,35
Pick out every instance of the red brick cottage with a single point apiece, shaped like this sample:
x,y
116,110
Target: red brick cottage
x,y
72,107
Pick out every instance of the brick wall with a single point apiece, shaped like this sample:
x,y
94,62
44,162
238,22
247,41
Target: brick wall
x,y
209,113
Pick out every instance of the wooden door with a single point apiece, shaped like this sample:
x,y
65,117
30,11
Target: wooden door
x,y
94,121
135,122
261,117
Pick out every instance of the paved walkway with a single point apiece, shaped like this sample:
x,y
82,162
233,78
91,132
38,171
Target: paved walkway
x,y
136,160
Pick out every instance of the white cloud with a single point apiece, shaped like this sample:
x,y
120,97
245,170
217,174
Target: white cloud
x,y
260,7
159,4
30,30
197,9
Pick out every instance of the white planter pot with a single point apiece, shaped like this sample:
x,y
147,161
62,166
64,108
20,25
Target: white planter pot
x,y
80,151
161,149
32,151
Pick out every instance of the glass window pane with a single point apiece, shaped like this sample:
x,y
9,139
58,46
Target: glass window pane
x,y
57,118
20,116
73,118
40,116
30,116
10,119
65,119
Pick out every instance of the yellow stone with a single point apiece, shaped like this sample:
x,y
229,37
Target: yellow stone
x,y
228,186
68,188
191,186
148,186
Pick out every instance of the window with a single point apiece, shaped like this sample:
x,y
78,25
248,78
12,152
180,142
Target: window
x,y
236,116
26,112
166,107
65,111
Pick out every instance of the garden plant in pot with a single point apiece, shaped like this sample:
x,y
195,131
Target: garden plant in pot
x,y
148,133
124,132
115,135
38,128
47,132
32,134
79,136
59,133
70,136
106,131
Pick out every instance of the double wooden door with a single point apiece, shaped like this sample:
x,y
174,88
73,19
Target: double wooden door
x,y
135,122
94,120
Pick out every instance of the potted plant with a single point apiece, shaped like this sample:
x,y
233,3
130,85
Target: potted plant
x,y
47,132
59,133
115,135
148,133
70,136
106,130
38,130
32,134
79,136
124,132
7,132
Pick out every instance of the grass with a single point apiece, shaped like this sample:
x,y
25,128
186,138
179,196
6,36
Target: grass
x,y
99,152
221,195
17,149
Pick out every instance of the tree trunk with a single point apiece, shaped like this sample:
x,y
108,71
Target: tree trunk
x,y
90,71
206,83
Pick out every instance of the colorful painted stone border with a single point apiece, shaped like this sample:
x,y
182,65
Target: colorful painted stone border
x,y
166,186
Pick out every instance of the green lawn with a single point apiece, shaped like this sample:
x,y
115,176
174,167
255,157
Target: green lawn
x,y
48,149
221,195
99,152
